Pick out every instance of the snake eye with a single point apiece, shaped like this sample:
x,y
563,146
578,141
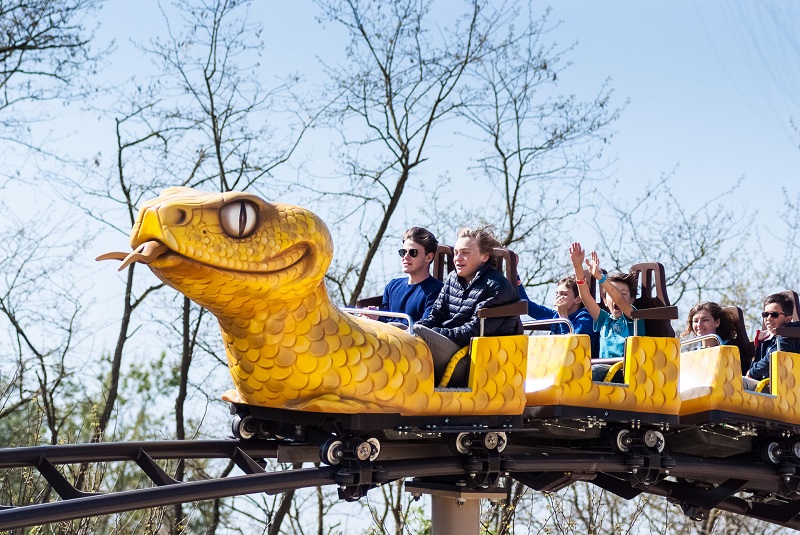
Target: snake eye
x,y
239,218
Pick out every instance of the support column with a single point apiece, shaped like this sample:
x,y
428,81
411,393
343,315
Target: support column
x,y
454,509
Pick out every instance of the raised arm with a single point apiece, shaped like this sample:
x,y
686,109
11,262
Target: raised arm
x,y
577,256
594,268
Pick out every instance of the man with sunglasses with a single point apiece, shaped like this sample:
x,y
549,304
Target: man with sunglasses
x,y
778,310
415,294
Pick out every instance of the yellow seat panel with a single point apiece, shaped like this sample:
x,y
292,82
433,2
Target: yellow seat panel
x,y
496,375
559,373
710,380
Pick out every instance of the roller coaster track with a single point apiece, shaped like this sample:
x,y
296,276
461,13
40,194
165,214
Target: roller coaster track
x,y
624,474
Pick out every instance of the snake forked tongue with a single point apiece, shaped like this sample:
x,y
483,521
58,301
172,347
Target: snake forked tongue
x,y
145,253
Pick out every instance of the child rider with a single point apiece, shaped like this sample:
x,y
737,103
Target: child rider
x,y
616,325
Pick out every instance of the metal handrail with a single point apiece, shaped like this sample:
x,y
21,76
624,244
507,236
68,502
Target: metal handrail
x,y
691,341
386,313
554,321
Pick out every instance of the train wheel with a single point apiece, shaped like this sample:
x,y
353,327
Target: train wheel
x,y
622,441
490,440
654,439
244,427
769,453
331,452
376,448
363,450
460,443
502,442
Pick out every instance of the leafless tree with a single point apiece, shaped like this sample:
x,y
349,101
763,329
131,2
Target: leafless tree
x,y
45,54
698,246
210,65
40,307
483,76
538,149
402,80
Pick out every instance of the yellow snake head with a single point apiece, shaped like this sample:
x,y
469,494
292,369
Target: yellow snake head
x,y
228,251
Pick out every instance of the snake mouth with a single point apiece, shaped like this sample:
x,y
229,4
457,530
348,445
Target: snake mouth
x,y
145,253
152,250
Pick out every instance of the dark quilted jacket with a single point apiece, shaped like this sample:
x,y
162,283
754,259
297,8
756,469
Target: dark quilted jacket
x,y
454,314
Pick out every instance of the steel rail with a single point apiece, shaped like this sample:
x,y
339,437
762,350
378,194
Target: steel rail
x,y
192,491
613,469
128,451
117,502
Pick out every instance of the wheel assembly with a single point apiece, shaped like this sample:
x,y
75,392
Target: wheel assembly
x,y
376,448
363,450
502,442
460,444
244,427
490,441
769,453
331,452
465,443
654,439
622,442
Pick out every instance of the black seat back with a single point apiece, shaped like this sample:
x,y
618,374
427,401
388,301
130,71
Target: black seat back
x,y
507,261
443,262
746,347
652,285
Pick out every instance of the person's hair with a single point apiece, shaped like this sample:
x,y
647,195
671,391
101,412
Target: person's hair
x,y
625,278
422,236
571,284
727,323
784,301
487,243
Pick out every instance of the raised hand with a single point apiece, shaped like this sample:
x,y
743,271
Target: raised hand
x,y
593,263
577,255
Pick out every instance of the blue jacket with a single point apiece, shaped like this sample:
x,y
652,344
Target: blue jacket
x,y
454,314
581,320
760,367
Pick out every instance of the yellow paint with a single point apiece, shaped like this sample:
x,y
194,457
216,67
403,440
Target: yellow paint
x,y
288,346
711,380
559,373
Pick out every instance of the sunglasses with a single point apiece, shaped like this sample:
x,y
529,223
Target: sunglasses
x,y
772,314
411,252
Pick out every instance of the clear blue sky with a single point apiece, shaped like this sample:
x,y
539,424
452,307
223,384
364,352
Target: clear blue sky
x,y
712,86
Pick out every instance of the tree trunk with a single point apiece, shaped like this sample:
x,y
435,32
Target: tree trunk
x,y
180,400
